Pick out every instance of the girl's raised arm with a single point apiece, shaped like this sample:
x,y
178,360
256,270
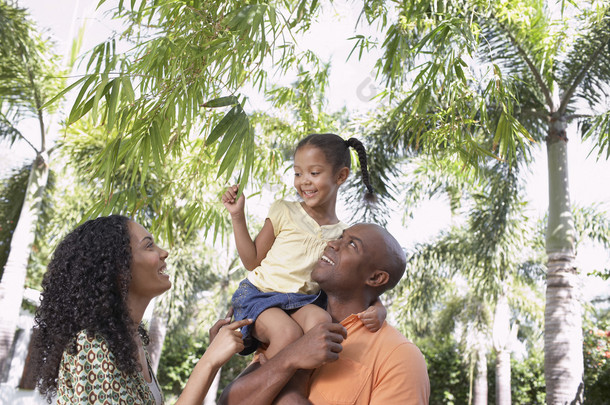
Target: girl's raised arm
x,y
250,252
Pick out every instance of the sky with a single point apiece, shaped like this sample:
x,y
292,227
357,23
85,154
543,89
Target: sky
x,y
352,83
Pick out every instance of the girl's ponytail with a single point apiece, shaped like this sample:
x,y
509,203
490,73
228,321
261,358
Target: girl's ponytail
x,y
359,147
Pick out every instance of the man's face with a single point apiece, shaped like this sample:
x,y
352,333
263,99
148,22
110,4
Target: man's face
x,y
348,261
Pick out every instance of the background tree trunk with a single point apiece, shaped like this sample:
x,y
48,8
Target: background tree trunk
x,y
210,398
480,379
156,333
13,278
503,395
563,361
501,336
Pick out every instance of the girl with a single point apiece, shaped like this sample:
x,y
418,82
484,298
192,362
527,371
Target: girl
x,y
278,292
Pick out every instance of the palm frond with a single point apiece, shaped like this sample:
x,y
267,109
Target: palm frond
x,y
585,71
597,129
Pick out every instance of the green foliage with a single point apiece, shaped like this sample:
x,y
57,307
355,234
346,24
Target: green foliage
x,y
64,204
449,375
12,193
232,369
29,71
447,372
478,77
181,351
596,350
156,103
526,380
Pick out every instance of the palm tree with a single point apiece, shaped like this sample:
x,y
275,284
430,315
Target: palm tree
x,y
28,77
496,78
485,254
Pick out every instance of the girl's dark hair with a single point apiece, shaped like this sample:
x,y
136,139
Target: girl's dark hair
x,y
85,289
337,154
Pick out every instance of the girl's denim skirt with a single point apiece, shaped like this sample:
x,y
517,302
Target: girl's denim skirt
x,y
249,302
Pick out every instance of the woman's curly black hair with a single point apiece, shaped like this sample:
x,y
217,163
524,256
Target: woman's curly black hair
x,y
85,288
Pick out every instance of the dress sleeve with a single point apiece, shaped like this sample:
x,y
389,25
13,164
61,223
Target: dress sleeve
x,y
91,376
403,379
277,214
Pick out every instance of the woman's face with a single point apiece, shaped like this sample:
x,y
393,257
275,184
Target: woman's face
x,y
148,270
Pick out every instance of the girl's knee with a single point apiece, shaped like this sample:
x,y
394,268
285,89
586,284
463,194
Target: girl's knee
x,y
289,334
320,316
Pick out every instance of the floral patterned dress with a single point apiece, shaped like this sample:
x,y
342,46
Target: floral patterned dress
x,y
91,377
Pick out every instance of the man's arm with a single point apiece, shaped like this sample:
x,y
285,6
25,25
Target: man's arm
x,y
296,391
260,383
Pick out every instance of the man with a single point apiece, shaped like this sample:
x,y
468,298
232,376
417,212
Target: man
x,y
344,363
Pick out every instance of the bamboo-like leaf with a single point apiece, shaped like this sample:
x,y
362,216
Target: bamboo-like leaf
x,y
102,90
220,128
77,102
112,103
234,131
156,143
145,160
221,102
230,159
128,89
66,90
77,113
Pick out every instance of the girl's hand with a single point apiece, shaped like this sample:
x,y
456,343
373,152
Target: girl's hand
x,y
233,205
373,317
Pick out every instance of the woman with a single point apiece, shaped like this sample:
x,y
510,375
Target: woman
x,y
88,334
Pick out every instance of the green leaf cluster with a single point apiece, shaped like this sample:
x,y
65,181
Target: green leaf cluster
x,y
29,72
12,193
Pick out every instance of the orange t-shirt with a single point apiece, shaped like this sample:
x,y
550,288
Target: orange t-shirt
x,y
381,368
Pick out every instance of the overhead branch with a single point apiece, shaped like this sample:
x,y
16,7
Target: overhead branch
x,y
535,114
4,121
577,116
38,103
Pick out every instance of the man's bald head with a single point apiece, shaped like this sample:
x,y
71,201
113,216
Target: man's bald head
x,y
366,256
394,260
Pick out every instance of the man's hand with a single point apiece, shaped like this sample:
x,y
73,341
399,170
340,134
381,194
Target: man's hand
x,y
321,344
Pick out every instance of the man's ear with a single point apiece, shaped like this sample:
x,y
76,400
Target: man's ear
x,y
378,278
342,175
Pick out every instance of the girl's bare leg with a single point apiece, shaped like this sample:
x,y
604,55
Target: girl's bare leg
x,y
276,328
309,316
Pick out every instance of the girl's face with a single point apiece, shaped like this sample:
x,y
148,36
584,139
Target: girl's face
x,y
148,277
314,178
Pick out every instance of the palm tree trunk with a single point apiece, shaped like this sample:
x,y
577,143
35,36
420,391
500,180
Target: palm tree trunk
x,y
13,278
210,398
501,336
503,395
563,362
156,333
480,379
